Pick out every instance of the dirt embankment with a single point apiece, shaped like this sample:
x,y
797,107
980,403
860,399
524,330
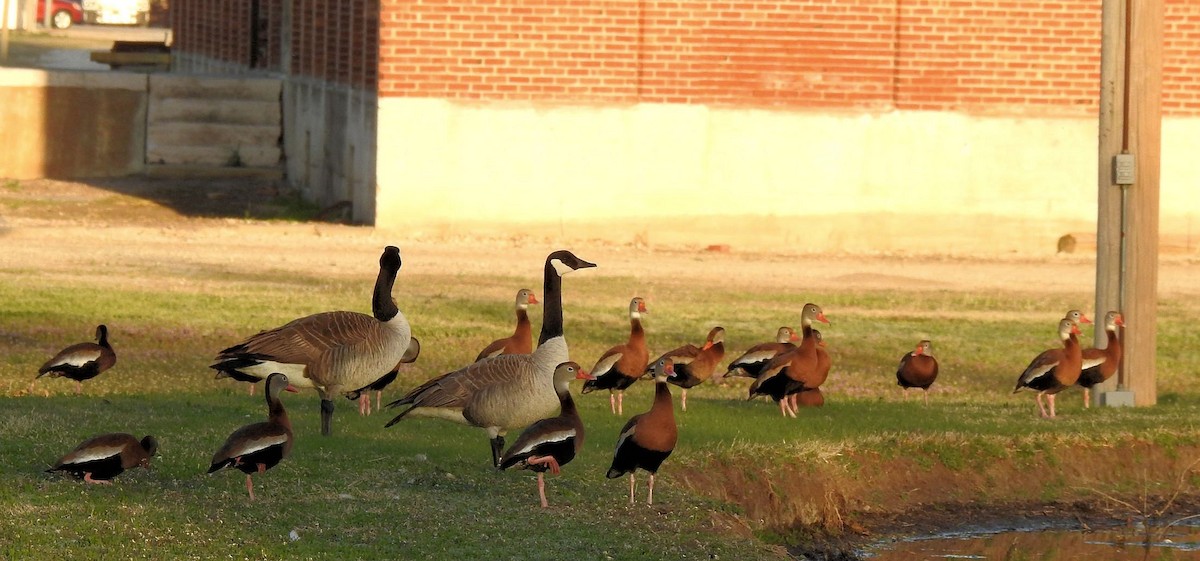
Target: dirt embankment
x,y
831,506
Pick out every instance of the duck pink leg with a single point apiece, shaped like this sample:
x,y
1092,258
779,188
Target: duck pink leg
x,y
251,391
621,402
379,400
548,460
783,407
542,489
250,486
650,497
1041,407
926,396
612,402
632,486
1050,398
683,399
78,387
364,403
87,476
1087,399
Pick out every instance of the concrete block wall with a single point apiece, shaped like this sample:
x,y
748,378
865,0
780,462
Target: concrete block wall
x,y
72,124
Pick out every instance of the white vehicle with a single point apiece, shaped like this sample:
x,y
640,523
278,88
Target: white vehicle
x,y
121,12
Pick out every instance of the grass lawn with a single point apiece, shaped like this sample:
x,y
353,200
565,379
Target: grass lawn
x,y
741,480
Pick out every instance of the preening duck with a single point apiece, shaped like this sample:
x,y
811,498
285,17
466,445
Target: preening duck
x,y
82,361
508,391
101,458
332,352
258,447
622,365
695,365
521,341
550,443
648,438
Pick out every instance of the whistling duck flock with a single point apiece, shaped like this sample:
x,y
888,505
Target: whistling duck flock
x,y
513,385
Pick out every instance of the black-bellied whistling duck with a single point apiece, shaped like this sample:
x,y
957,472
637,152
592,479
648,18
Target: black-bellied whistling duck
x,y
795,370
1054,370
694,365
808,398
258,447
648,438
622,365
521,341
549,444
755,358
101,458
1100,364
363,394
812,397
918,369
508,391
82,361
331,352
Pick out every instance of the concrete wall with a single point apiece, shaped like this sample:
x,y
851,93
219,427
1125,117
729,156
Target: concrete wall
x,y
330,144
71,124
696,175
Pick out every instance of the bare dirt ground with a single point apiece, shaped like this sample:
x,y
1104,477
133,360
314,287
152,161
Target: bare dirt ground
x,y
130,226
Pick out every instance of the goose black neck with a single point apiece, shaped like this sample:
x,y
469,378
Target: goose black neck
x,y
382,305
552,319
103,332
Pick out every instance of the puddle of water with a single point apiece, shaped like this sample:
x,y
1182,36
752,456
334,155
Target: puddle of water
x,y
1123,544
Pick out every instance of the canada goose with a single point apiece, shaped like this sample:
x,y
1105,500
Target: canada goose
x,y
694,365
508,391
258,447
101,458
363,396
331,352
649,438
550,443
620,366
1054,370
521,341
918,369
82,361
1100,364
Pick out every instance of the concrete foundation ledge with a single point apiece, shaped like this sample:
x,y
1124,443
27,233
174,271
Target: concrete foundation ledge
x,y
34,78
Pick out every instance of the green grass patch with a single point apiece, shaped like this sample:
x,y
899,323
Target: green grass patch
x,y
424,489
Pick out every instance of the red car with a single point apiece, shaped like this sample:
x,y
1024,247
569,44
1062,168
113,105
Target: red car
x,y
63,14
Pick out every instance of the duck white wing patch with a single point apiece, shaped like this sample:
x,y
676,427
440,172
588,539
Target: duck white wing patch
x,y
78,358
605,364
256,444
556,436
626,435
754,357
92,454
1036,372
1092,362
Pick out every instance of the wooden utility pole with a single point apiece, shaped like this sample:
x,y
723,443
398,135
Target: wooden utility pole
x,y
1127,218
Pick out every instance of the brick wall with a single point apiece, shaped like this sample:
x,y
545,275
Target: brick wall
x,y
1006,56
332,40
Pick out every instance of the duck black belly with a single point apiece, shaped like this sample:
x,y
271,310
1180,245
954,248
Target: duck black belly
x,y
101,469
612,380
631,456
562,451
